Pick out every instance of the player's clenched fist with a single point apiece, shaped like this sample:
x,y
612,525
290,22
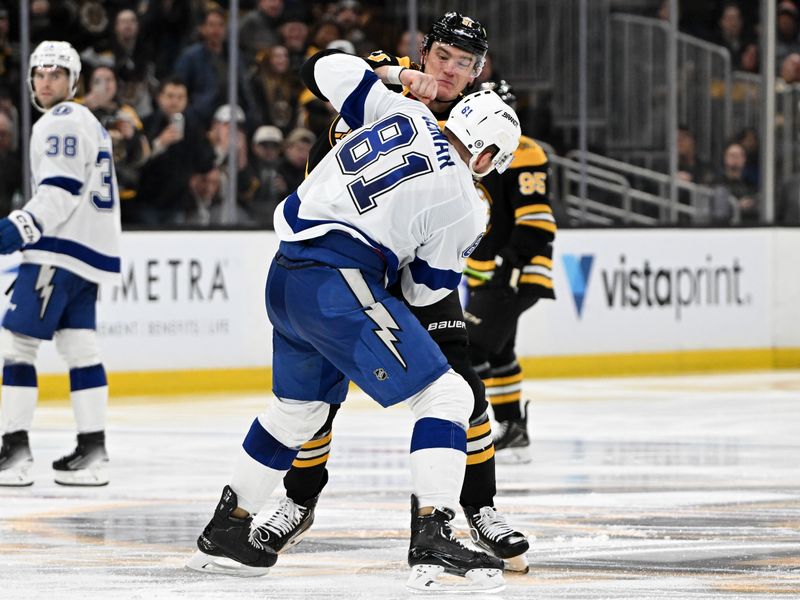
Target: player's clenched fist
x,y
422,85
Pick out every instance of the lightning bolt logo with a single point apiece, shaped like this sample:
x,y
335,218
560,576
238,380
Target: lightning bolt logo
x,y
44,286
386,323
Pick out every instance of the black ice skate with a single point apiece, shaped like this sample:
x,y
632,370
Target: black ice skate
x,y
511,440
435,550
88,463
15,460
230,545
287,525
490,530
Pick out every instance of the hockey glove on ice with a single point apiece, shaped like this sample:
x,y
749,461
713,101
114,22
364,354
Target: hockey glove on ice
x,y
18,229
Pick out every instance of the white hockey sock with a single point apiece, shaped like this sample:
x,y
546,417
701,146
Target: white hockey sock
x,y
19,396
253,482
437,475
89,395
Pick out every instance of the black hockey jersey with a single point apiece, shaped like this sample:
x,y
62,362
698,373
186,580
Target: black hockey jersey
x,y
520,218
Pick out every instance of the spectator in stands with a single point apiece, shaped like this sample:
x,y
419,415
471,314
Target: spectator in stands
x,y
246,179
205,206
295,156
275,89
167,26
131,148
54,21
294,36
750,60
731,32
266,148
323,33
180,149
403,47
10,166
732,189
259,30
748,139
790,68
132,62
204,67
690,167
9,55
787,41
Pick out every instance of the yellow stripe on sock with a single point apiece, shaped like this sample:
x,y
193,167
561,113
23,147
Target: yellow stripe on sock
x,y
481,457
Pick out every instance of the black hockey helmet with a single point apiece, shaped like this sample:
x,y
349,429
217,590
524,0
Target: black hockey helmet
x,y
503,89
462,32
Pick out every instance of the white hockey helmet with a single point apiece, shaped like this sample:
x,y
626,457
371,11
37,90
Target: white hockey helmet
x,y
481,119
55,54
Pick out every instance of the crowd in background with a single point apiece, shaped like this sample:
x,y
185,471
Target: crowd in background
x,y
155,74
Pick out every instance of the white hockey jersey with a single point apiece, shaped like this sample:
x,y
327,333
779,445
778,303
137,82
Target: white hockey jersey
x,y
395,183
75,196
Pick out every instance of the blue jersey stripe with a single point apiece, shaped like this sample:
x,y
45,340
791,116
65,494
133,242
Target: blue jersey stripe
x,y
435,279
79,251
430,432
353,108
291,208
73,186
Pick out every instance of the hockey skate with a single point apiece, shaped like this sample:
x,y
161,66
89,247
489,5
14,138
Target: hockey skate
x,y
231,546
287,525
511,440
434,550
15,460
490,530
88,463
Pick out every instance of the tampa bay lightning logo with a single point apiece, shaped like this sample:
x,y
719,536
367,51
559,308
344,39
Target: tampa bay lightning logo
x,y
472,246
62,109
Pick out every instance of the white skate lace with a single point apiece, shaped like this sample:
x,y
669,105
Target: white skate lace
x,y
492,524
280,522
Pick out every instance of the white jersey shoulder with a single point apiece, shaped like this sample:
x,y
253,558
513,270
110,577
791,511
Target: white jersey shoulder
x,y
75,197
395,183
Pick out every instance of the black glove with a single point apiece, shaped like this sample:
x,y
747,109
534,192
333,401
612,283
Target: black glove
x,y
508,268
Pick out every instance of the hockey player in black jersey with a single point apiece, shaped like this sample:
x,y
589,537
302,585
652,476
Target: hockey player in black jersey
x,y
452,55
507,274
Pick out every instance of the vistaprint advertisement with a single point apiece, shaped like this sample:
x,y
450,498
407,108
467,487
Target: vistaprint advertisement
x,y
654,290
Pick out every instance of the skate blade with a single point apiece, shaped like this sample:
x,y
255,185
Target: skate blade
x,y
221,565
18,475
517,564
513,456
96,476
424,579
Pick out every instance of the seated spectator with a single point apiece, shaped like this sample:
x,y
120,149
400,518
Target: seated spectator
x,y
266,148
748,138
731,188
790,68
787,41
731,32
276,89
292,166
205,206
10,167
204,67
325,31
403,46
130,145
751,59
132,62
294,36
258,31
180,149
246,179
690,167
168,28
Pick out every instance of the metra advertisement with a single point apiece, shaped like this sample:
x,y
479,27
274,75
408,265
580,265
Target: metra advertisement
x,y
629,291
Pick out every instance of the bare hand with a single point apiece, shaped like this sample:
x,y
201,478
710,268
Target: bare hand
x,y
422,85
169,136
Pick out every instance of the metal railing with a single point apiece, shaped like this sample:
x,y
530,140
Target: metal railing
x,y
620,193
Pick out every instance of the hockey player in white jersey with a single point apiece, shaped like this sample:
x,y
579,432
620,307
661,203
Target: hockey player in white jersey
x,y
69,235
395,200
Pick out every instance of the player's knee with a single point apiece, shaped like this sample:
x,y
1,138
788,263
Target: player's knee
x,y
78,347
448,398
18,348
294,422
457,354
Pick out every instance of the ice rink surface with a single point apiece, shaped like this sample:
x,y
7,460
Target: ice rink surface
x,y
671,487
